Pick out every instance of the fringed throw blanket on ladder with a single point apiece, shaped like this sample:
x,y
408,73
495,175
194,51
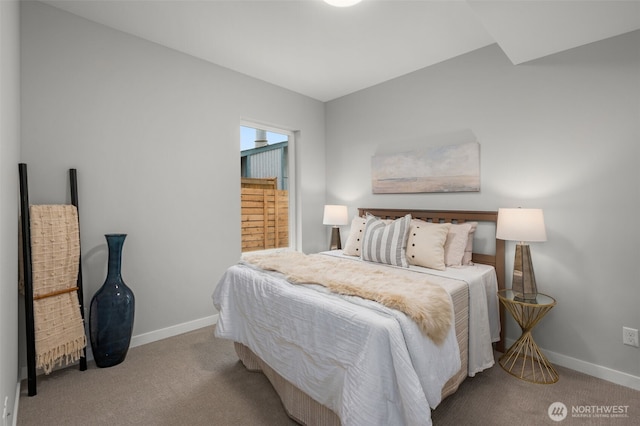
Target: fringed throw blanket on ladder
x,y
55,247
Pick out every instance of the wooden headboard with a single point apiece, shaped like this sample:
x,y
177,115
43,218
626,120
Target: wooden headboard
x,y
458,216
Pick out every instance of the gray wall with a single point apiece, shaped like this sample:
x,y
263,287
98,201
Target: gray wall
x,y
560,133
155,136
9,152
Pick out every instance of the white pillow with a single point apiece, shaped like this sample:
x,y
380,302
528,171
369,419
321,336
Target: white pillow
x,y
384,242
354,241
457,242
425,245
468,252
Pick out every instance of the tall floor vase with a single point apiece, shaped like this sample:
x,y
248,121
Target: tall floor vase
x,y
112,311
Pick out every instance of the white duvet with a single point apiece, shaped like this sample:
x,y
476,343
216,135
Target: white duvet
x,y
370,364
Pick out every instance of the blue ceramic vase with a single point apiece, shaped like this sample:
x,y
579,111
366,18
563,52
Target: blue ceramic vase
x,y
112,311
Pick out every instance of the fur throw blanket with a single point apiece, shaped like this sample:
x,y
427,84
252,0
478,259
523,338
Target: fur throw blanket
x,y
428,304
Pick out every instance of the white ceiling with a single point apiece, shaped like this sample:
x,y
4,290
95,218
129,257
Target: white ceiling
x,y
326,52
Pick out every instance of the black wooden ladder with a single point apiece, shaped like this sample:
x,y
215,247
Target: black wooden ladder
x,y
27,274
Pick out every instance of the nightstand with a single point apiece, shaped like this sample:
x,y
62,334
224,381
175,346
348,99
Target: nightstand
x,y
524,359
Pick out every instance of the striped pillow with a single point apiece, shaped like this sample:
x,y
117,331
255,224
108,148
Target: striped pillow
x,y
385,242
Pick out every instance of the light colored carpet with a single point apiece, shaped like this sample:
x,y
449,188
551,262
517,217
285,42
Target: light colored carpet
x,y
196,379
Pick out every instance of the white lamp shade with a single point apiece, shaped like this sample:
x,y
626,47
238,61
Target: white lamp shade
x,y
335,215
342,3
521,225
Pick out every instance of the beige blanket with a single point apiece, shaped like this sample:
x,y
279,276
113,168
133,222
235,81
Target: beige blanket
x,y
55,255
428,304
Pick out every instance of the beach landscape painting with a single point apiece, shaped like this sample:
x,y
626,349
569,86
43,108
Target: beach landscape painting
x,y
447,168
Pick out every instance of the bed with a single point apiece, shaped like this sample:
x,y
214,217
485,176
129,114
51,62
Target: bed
x,y
343,359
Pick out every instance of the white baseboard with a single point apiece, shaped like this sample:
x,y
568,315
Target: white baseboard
x,y
16,403
604,373
174,330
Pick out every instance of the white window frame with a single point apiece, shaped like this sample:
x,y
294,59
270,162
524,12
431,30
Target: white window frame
x,y
294,226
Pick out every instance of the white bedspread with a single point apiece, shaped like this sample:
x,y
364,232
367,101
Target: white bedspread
x,y
484,317
372,365
484,314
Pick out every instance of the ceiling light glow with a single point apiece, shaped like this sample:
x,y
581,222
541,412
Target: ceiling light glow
x,y
342,3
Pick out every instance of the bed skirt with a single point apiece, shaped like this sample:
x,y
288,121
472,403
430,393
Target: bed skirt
x,y
307,411
298,405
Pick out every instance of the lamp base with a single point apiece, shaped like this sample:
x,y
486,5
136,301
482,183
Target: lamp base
x,y
336,244
524,279
532,300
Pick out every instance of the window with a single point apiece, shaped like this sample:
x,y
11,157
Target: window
x,y
267,206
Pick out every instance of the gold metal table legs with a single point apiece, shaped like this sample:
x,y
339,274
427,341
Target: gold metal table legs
x,y
524,359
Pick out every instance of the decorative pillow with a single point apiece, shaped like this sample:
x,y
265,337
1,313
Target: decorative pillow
x,y
456,244
468,251
425,245
385,242
354,241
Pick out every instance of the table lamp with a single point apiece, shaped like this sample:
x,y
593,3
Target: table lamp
x,y
522,225
335,216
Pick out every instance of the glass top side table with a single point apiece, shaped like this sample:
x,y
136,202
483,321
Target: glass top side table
x,y
524,359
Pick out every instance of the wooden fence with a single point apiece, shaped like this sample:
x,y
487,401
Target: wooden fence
x,y
262,183
265,218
